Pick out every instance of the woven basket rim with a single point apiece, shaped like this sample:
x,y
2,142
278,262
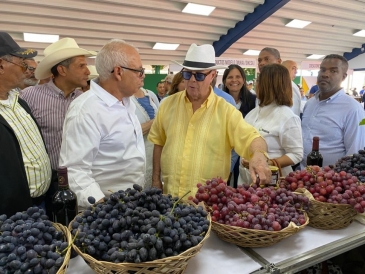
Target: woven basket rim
x,y
67,257
249,230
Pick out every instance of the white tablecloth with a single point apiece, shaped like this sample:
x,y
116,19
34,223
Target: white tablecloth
x,y
215,257
306,240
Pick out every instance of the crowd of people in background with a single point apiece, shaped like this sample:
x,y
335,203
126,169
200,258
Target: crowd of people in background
x,y
110,131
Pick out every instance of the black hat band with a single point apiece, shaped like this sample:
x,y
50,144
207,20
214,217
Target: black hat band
x,y
197,64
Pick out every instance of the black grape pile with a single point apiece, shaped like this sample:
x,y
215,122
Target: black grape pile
x,y
252,207
138,225
354,164
30,244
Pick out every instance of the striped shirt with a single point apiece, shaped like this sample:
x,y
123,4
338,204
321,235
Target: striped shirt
x,y
35,158
49,106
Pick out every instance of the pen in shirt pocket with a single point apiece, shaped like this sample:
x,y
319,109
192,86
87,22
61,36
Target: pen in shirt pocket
x,y
264,130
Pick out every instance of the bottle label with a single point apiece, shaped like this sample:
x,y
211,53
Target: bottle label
x,y
62,181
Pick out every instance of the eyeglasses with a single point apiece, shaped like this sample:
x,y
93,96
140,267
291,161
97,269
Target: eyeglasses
x,y
31,69
199,76
23,65
141,71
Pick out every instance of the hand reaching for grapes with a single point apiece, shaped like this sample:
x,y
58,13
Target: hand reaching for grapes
x,y
259,169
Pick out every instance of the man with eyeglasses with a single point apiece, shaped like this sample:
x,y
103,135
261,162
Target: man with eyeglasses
x,y
106,149
24,164
195,130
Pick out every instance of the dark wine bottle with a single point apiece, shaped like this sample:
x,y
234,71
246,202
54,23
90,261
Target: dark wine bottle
x,y
64,201
315,158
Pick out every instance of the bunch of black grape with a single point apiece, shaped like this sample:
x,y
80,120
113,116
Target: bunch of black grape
x,y
354,164
138,225
30,244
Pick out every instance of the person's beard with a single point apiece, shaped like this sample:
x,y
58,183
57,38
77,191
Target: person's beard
x,y
30,82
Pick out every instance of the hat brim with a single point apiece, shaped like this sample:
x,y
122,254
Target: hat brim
x,y
25,53
43,70
196,68
90,77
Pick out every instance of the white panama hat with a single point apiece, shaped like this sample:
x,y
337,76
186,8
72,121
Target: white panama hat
x,y
57,52
93,73
200,58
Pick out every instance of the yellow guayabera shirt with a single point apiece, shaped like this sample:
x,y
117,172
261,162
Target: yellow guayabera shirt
x,y
36,161
197,146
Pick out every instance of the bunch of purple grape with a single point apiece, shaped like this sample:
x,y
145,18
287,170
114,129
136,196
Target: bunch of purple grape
x,y
30,244
138,225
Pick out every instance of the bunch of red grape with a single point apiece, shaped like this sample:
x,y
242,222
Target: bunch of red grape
x,y
326,185
252,207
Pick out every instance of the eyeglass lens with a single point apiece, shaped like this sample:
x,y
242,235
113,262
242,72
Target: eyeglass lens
x,y
198,75
22,65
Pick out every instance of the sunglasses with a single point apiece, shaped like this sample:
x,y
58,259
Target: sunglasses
x,y
199,76
23,65
141,71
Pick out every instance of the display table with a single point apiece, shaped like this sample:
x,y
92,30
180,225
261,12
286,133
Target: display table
x,y
308,247
215,257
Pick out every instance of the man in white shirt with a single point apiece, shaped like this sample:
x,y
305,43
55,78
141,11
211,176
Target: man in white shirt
x,y
272,56
103,145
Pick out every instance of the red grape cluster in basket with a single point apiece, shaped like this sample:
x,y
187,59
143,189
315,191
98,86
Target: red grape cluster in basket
x,y
327,185
252,207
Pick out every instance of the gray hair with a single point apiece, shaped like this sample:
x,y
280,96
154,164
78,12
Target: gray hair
x,y
272,51
111,56
66,63
7,57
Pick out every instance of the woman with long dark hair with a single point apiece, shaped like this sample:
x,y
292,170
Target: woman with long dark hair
x,y
234,83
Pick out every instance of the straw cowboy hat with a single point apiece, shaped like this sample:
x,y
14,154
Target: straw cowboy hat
x,y
58,52
93,73
200,58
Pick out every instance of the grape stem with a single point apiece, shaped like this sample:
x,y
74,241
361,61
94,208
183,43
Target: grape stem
x,y
172,210
65,250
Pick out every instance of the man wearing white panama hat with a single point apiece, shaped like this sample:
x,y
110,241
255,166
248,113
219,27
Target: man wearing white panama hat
x,y
49,102
197,146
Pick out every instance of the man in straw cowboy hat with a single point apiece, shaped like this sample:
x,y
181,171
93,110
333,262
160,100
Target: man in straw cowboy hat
x,y
24,164
106,151
49,102
198,146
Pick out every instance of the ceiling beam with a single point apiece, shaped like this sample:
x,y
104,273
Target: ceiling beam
x,y
251,21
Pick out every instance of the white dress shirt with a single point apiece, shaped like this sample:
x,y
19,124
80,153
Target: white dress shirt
x,y
297,99
282,131
102,145
336,122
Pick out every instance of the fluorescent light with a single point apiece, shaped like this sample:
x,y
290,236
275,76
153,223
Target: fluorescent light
x,y
165,46
252,52
299,24
315,56
360,33
42,38
198,9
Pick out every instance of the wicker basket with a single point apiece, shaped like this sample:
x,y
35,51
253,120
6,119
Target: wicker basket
x,y
171,265
67,234
245,237
328,216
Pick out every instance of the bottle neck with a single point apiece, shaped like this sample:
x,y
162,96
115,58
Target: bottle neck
x,y
315,146
63,181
